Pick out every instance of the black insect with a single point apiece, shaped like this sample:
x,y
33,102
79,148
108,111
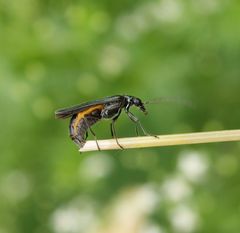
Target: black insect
x,y
85,115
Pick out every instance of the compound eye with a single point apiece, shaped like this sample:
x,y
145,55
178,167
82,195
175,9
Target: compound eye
x,y
137,102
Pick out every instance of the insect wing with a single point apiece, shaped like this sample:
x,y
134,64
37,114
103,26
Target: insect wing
x,y
68,112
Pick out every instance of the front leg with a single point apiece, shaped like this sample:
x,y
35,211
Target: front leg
x,y
137,121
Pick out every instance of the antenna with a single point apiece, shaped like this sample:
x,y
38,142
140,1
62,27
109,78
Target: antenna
x,y
170,100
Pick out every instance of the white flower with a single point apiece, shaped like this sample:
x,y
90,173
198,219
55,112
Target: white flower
x,y
176,189
72,219
193,165
183,219
96,167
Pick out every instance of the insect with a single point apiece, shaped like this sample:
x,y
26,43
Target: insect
x,y
85,115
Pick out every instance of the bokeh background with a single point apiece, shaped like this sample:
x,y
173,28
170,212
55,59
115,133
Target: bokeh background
x,y
55,54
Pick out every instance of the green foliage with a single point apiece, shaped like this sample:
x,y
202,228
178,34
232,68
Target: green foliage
x,y
55,54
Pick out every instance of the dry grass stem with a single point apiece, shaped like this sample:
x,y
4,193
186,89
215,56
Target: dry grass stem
x,y
164,140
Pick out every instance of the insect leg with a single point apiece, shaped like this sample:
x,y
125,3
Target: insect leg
x,y
112,127
113,132
136,129
86,135
95,137
137,121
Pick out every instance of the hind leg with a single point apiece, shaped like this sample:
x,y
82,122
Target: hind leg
x,y
94,135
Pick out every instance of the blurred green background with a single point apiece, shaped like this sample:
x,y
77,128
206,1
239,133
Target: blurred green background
x,y
55,54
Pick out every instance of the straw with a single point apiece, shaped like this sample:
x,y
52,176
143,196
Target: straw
x,y
164,140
